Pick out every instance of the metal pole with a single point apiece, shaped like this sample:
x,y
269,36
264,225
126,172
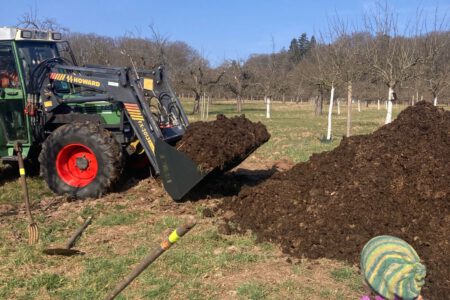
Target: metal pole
x,y
165,245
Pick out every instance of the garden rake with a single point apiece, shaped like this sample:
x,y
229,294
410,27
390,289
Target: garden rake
x,y
67,250
33,232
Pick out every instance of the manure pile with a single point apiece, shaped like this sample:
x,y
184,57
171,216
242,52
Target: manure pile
x,y
222,143
394,181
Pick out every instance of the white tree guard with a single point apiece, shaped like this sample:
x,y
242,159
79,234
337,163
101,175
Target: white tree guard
x,y
330,113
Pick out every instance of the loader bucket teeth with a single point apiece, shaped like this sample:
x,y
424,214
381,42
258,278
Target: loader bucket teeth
x,y
178,172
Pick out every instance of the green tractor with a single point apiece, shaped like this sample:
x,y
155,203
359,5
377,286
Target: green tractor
x,y
84,122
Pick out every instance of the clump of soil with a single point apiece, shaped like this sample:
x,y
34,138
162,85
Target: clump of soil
x,y
394,181
222,143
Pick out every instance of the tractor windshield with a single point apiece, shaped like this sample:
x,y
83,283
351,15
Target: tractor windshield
x,y
31,54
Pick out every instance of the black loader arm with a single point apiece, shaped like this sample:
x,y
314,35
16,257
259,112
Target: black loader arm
x,y
132,91
112,85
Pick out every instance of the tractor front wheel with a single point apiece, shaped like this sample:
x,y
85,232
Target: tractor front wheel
x,y
82,160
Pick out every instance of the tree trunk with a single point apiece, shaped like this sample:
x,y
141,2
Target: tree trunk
x,y
238,104
389,106
349,108
435,101
330,113
319,103
359,105
338,106
196,108
378,104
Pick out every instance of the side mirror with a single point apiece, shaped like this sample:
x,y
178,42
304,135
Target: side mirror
x,y
2,93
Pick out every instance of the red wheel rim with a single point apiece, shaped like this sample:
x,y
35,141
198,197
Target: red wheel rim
x,y
76,165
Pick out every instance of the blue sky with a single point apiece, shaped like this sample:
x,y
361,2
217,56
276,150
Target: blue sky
x,y
221,29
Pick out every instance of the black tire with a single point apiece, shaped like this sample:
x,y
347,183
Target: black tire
x,y
103,149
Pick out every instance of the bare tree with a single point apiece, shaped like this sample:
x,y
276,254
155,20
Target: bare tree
x,y
333,60
391,57
436,67
199,79
238,79
31,19
319,72
265,69
160,41
181,60
346,59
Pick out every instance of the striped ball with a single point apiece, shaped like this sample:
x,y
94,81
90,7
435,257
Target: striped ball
x,y
392,268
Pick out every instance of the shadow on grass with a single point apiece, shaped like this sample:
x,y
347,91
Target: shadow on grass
x,y
324,140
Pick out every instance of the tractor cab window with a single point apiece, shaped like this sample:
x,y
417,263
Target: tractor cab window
x,y
65,51
8,71
31,54
12,120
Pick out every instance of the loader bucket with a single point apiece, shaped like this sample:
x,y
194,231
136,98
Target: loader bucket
x,y
178,172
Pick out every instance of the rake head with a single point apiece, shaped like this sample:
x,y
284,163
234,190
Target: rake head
x,y
62,251
33,234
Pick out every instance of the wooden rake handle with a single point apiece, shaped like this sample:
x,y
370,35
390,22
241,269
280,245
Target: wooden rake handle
x,y
23,180
164,246
71,242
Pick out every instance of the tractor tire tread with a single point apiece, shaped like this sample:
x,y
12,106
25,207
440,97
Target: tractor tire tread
x,y
104,143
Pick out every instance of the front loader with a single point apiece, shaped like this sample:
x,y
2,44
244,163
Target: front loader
x,y
86,121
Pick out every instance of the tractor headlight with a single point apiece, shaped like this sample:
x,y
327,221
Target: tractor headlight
x,y
26,34
56,36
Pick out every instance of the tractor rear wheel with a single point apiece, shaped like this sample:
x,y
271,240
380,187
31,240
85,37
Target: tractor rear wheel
x,y
81,159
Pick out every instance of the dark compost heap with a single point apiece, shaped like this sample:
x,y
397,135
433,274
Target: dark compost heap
x,y
394,181
222,143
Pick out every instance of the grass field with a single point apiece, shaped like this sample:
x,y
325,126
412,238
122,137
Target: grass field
x,y
204,265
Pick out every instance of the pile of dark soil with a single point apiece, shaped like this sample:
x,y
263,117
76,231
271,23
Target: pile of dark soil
x,y
394,181
222,143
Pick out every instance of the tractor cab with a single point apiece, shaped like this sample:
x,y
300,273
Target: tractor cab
x,y
21,52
